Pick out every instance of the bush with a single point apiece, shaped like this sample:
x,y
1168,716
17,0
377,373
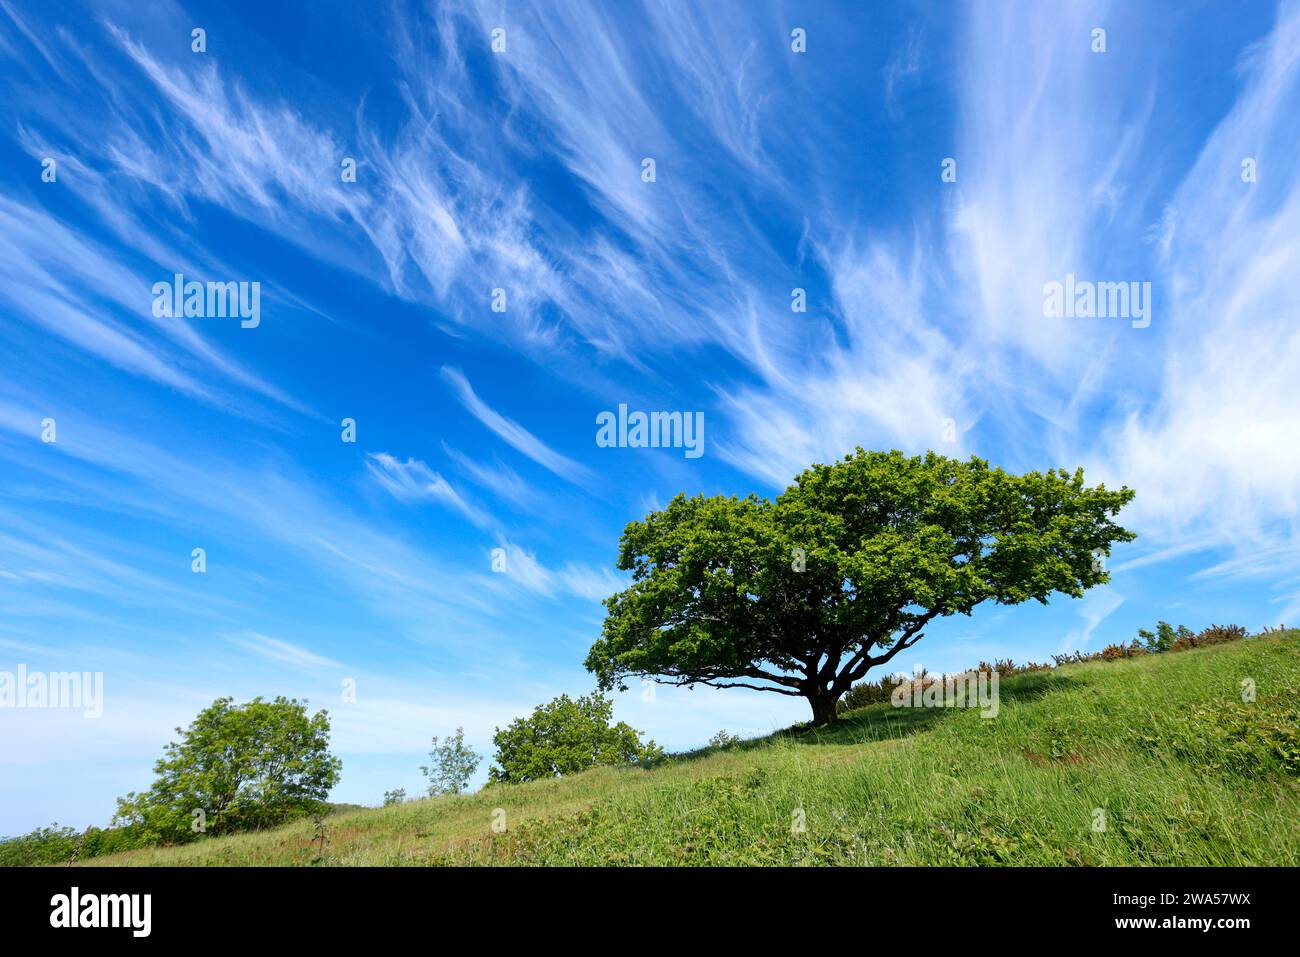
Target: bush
x,y
866,693
1217,635
1005,667
396,796
236,767
1165,638
567,736
44,845
98,841
874,692
62,845
723,739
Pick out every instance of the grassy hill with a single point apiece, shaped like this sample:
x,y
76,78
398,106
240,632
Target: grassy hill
x,y
1185,772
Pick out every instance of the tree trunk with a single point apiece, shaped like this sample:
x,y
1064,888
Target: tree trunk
x,y
823,708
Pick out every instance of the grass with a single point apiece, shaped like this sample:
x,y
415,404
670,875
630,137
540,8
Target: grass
x,y
1162,746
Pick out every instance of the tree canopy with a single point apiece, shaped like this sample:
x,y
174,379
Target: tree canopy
x,y
803,595
237,767
564,737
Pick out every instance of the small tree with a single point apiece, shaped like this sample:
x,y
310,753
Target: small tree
x,y
451,765
724,739
564,737
237,767
395,796
1164,637
803,595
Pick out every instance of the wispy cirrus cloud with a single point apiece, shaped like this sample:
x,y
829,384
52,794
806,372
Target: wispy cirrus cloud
x,y
75,289
282,651
268,499
1214,448
503,481
413,480
520,567
512,433
893,378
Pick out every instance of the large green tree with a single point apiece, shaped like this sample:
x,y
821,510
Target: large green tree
x,y
237,767
803,595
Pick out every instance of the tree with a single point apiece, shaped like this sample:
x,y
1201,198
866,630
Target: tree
x,y
803,595
395,796
451,765
567,736
724,739
1164,637
237,767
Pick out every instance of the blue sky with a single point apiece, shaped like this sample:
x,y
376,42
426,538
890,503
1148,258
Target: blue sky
x,y
521,170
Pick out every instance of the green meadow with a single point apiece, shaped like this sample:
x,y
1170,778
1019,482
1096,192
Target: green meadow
x,y
1153,760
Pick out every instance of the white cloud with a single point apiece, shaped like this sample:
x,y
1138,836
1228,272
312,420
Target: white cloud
x,y
501,480
514,434
593,584
276,649
523,568
1094,608
894,379
1215,450
413,480
588,582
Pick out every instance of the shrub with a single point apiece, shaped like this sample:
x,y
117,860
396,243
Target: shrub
x,y
98,841
866,693
723,739
44,845
1218,634
396,796
61,845
1071,658
1005,667
1165,638
874,692
567,736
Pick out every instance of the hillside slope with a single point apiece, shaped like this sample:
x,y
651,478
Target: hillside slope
x,y
1160,750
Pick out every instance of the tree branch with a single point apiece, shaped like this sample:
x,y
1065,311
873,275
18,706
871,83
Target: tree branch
x,y
902,645
791,685
715,683
742,684
862,662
